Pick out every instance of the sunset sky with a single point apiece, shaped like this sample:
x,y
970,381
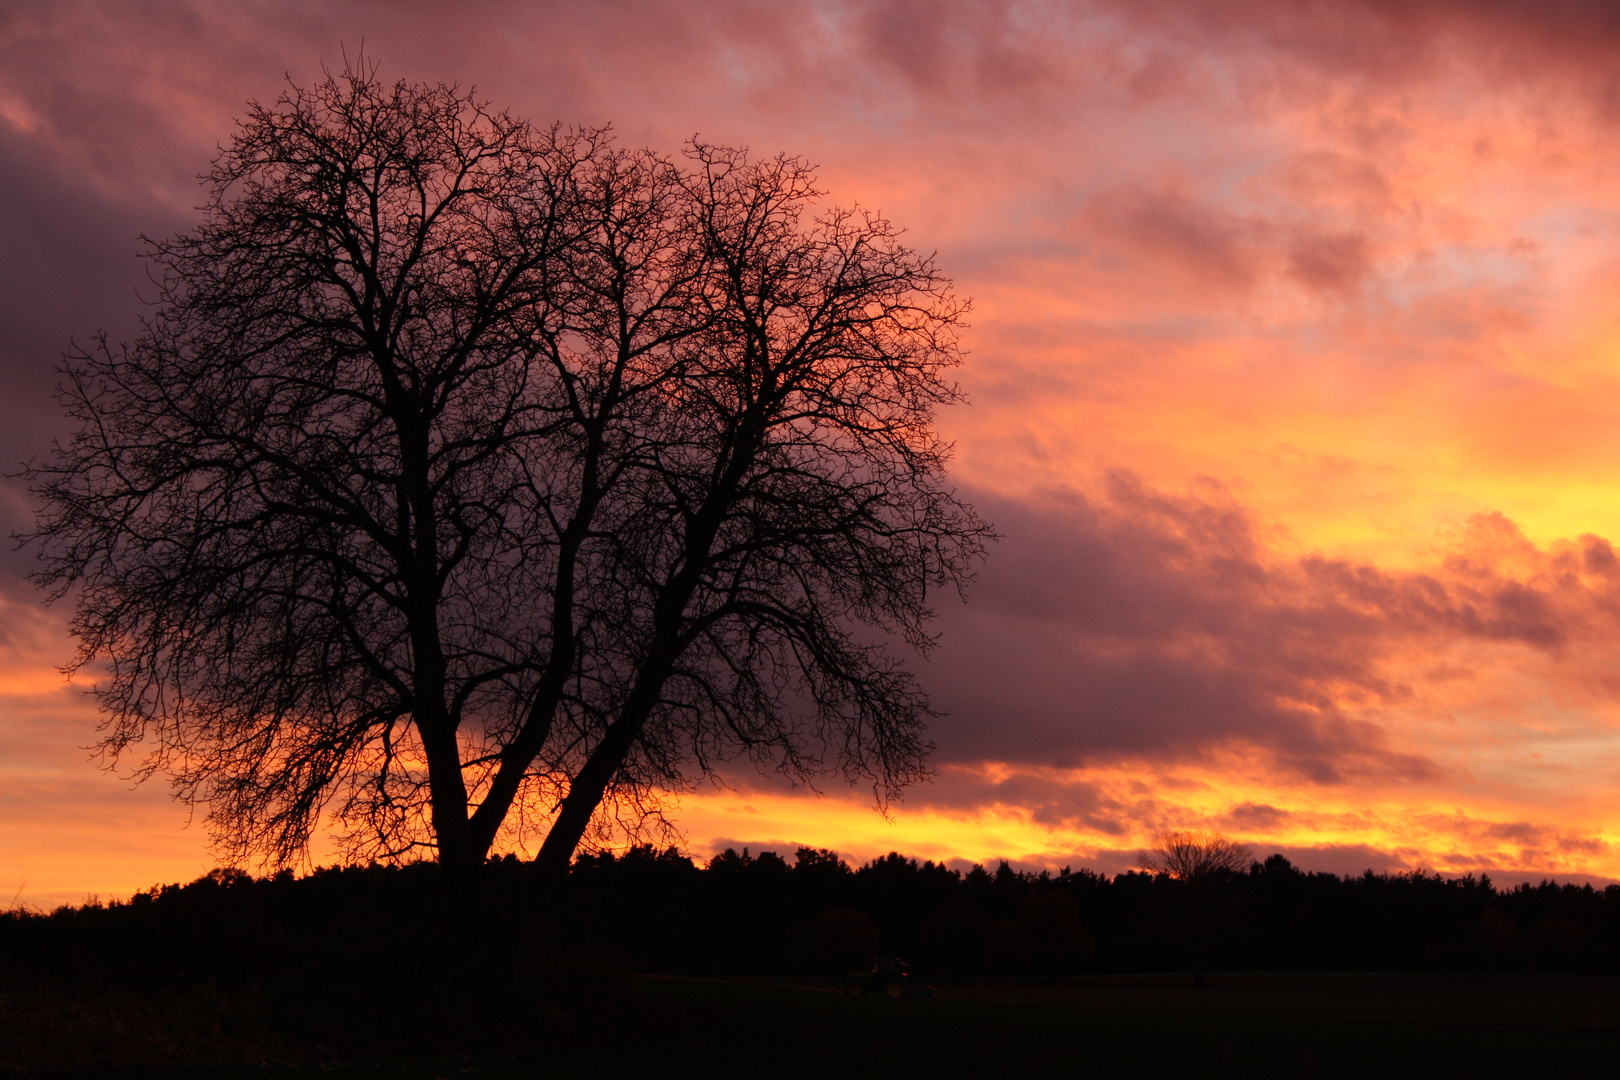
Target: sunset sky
x,y
1294,381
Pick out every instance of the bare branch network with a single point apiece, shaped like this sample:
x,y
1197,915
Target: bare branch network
x,y
472,480
1191,856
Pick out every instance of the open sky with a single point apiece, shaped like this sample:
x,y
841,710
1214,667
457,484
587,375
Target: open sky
x,y
1294,381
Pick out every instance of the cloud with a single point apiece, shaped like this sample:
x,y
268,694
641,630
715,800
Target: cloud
x,y
67,272
1333,262
1415,41
1248,816
1132,623
1214,248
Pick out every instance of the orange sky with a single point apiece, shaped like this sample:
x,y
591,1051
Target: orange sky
x,y
1293,383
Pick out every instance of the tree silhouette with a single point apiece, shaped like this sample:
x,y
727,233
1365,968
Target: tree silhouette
x,y
1186,856
470,478
785,485
1198,861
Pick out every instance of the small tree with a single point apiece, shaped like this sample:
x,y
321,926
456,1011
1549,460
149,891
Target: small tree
x,y
1199,860
469,477
1188,856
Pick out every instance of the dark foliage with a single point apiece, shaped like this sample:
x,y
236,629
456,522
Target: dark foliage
x,y
763,915
357,963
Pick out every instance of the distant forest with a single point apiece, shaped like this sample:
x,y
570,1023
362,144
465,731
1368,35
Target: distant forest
x,y
655,912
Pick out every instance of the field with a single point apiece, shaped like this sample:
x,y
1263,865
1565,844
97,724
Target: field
x,y
1240,1025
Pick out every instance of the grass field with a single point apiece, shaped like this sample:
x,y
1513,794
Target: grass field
x,y
1241,1025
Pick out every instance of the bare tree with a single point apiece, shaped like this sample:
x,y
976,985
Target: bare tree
x,y
1189,856
470,478
1200,860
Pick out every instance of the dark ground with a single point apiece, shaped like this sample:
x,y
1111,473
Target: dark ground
x,y
1241,1025
648,966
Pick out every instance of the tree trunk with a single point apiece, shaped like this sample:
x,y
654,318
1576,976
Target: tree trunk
x,y
591,783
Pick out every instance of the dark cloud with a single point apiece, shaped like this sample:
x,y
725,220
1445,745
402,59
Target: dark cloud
x,y
1216,251
1387,40
1258,817
1132,623
966,52
1213,247
121,86
67,272
1051,801
972,54
1519,832
1335,262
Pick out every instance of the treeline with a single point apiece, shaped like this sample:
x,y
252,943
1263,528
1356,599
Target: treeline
x,y
745,914
659,912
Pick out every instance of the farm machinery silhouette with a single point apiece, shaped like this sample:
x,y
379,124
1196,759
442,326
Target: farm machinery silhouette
x,y
889,977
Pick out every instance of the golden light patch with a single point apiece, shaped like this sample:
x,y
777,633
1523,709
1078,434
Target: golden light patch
x,y
1389,827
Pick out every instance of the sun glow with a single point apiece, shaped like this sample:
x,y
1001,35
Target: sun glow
x,y
1117,812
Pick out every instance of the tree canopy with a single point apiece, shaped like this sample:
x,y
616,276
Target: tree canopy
x,y
470,480
1194,855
